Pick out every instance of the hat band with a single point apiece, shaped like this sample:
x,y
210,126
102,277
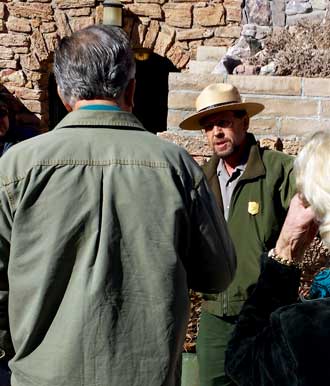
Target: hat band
x,y
217,105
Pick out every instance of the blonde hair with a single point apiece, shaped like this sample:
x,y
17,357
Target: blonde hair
x,y
312,169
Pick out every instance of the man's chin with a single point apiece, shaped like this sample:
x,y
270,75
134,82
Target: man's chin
x,y
223,153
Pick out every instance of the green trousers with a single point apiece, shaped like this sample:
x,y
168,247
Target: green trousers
x,y
214,333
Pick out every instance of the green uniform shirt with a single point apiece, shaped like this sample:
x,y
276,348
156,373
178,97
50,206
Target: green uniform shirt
x,y
257,211
103,226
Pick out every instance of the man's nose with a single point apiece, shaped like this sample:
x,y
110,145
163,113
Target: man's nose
x,y
217,130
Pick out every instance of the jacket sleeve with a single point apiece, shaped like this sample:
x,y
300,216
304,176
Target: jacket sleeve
x,y
288,187
257,353
6,347
211,261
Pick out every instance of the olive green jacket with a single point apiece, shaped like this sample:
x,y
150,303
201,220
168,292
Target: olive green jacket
x,y
103,226
257,210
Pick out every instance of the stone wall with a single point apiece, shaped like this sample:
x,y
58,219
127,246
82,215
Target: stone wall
x,y
29,32
283,12
294,107
176,28
260,20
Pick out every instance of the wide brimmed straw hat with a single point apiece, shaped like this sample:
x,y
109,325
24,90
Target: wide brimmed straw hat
x,y
215,98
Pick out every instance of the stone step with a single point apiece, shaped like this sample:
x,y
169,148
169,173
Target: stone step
x,y
207,53
253,84
315,17
202,67
189,81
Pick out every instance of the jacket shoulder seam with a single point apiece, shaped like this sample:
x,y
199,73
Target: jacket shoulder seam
x,y
6,180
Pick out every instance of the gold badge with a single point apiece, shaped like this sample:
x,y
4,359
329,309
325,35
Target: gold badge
x,y
253,207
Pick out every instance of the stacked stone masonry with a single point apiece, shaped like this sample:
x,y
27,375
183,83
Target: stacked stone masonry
x,y
175,28
29,32
294,107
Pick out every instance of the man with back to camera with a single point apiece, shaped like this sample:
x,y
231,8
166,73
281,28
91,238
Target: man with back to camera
x,y
253,188
103,227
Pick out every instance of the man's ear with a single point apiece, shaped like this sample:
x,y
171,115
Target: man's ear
x,y
129,94
246,122
66,105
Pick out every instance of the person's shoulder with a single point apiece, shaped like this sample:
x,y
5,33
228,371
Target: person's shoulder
x,y
209,167
176,156
28,144
169,148
272,158
306,322
22,154
211,160
320,308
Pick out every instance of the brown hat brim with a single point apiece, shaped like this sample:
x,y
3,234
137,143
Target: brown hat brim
x,y
193,121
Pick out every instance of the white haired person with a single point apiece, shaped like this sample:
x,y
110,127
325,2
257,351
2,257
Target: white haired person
x,y
278,341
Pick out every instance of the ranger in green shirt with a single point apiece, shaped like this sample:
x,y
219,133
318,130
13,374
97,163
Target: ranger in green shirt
x,y
253,188
103,227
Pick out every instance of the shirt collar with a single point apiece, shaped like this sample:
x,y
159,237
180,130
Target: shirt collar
x,y
100,107
100,118
222,169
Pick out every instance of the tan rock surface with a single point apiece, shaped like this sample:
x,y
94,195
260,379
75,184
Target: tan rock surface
x,y
67,4
39,46
178,15
151,35
79,12
194,33
212,15
178,56
163,43
31,10
6,53
2,10
51,41
11,40
18,24
153,11
8,64
79,23
30,62
48,27
62,23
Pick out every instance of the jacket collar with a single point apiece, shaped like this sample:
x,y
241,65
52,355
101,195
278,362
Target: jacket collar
x,y
255,166
100,118
210,171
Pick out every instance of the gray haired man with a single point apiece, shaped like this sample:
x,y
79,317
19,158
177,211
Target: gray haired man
x,y
103,228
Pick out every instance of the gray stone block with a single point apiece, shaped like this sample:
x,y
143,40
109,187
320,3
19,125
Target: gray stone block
x,y
208,53
202,67
278,12
315,16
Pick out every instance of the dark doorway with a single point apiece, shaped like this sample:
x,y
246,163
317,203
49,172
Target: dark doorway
x,y
150,101
57,111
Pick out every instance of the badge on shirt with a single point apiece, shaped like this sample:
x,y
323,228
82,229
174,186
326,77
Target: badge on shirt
x,y
253,207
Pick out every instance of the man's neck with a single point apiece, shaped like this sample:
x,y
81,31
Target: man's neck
x,y
238,157
85,102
